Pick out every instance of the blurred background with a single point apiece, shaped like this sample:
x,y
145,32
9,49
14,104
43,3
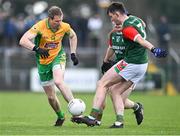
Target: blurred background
x,y
88,18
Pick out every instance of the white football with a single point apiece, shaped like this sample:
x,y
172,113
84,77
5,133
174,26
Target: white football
x,y
76,107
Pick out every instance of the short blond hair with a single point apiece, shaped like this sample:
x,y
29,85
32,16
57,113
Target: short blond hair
x,y
54,11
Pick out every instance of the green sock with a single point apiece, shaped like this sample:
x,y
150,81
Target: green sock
x,y
119,118
60,114
99,117
95,113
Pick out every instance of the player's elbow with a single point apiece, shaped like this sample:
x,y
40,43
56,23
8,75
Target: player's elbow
x,y
73,37
22,41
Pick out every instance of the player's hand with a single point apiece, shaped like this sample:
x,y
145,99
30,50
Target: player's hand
x,y
44,53
106,66
74,59
159,53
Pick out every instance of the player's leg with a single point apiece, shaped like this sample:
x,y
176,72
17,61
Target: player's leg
x,y
118,108
52,98
58,76
121,72
46,77
54,102
129,104
99,117
135,75
136,106
138,110
118,102
132,75
109,78
82,119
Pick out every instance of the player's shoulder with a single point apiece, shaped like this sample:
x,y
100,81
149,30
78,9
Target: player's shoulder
x,y
114,32
138,20
131,21
41,23
38,26
132,17
65,25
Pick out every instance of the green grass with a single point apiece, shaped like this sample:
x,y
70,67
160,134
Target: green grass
x,y
29,114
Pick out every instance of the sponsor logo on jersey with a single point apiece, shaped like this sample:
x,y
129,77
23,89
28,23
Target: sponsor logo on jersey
x,y
115,47
51,45
118,52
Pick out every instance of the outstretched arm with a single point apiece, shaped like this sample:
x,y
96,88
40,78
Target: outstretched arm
x,y
132,34
144,43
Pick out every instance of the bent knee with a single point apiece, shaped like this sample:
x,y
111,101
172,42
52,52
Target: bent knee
x,y
58,82
114,92
102,83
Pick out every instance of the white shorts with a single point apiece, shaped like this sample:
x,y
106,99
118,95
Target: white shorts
x,y
131,72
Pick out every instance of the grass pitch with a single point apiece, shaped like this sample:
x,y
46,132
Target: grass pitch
x,y
29,114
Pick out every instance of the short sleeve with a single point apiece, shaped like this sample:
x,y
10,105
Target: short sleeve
x,y
68,29
130,33
35,28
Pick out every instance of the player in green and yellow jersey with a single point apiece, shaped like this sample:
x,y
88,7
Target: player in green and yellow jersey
x,y
50,56
127,71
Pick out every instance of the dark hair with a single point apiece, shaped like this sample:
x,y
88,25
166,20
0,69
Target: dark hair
x,y
116,6
54,11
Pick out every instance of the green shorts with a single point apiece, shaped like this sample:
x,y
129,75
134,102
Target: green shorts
x,y
46,71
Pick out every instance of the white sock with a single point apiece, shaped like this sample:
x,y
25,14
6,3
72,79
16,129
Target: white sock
x,y
91,117
117,123
137,107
